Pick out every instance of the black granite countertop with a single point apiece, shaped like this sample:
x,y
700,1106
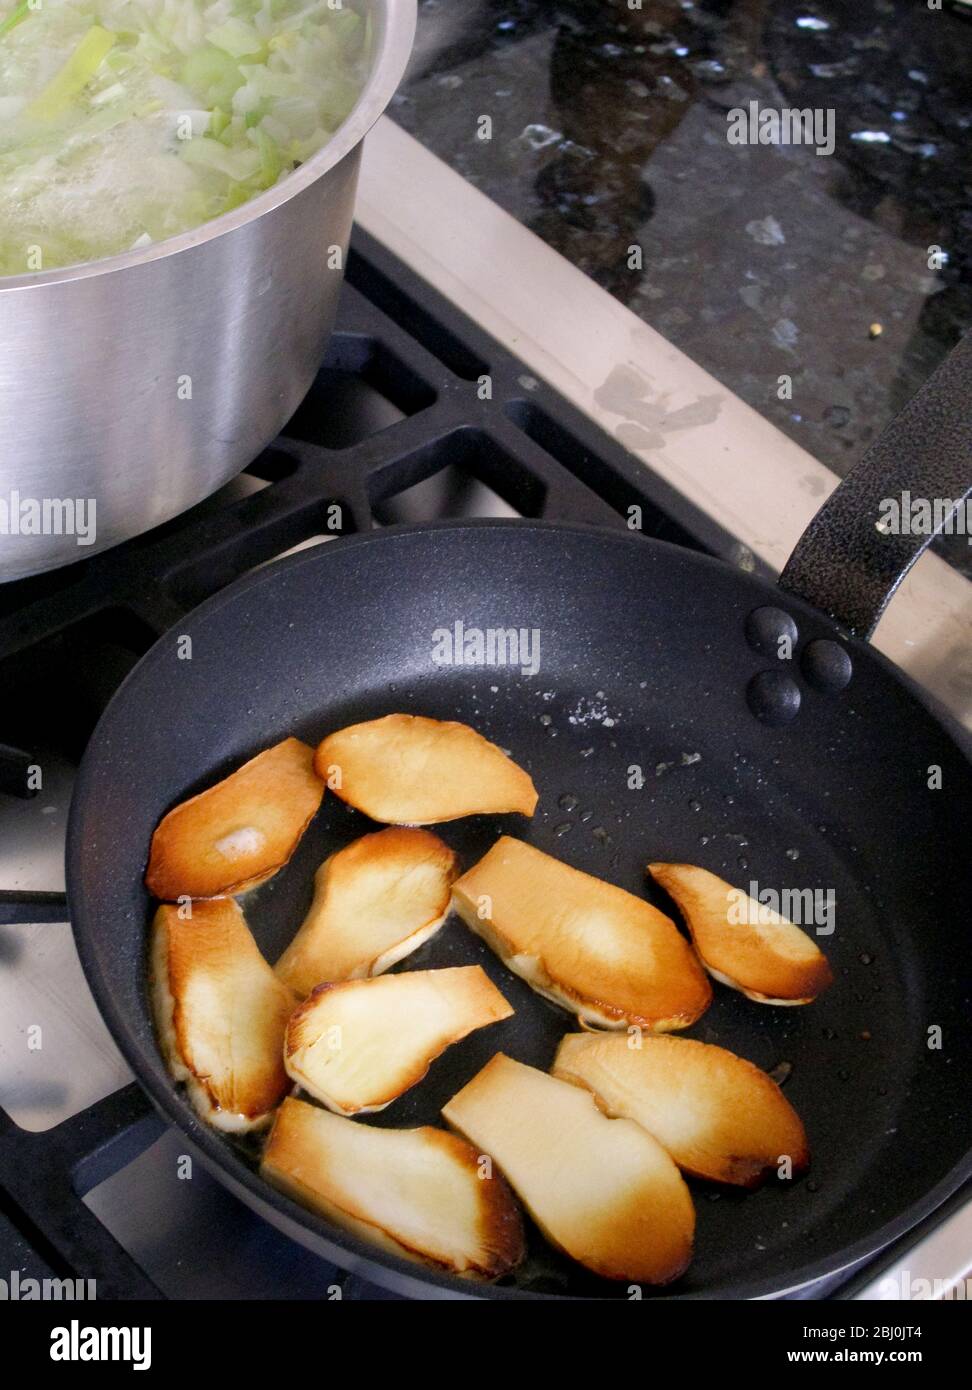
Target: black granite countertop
x,y
609,128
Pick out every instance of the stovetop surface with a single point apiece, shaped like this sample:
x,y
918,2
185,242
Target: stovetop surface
x,y
609,131
396,428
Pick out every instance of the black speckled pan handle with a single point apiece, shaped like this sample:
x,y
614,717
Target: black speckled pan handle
x,y
846,563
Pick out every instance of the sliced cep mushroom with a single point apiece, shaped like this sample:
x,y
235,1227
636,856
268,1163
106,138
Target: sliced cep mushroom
x,y
405,769
240,832
221,1013
375,901
718,1116
600,952
419,1193
743,943
357,1046
602,1190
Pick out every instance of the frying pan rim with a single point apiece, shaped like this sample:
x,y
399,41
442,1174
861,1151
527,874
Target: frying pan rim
x,y
395,1272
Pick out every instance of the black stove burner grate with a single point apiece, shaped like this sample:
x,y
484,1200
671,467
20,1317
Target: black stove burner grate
x,y
415,413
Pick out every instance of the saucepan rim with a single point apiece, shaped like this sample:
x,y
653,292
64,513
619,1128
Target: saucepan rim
x,y
396,21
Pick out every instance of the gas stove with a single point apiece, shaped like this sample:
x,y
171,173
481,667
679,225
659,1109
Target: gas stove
x,y
416,413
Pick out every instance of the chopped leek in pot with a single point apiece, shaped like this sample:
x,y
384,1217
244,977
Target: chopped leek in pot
x,y
123,122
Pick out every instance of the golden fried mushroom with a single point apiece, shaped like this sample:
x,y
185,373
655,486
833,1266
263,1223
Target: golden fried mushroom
x,y
602,1190
743,943
418,1193
221,1013
239,832
608,956
405,769
358,1045
718,1116
375,901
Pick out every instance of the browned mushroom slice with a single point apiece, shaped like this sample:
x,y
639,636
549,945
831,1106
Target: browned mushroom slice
x,y
357,1046
408,770
239,832
375,901
419,1193
602,1190
221,1013
608,956
717,1115
741,942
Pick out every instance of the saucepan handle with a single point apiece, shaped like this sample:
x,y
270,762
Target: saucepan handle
x,y
875,524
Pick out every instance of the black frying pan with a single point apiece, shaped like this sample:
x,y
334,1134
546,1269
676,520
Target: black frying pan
x,y
811,772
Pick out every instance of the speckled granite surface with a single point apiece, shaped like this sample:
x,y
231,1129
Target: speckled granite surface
x,y
609,129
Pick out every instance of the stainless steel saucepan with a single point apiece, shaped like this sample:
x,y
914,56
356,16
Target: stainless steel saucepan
x,y
145,381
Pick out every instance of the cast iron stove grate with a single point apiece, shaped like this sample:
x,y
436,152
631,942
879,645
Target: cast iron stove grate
x,y
398,425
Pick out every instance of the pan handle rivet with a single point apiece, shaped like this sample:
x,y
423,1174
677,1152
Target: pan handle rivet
x,y
765,629
826,665
773,697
